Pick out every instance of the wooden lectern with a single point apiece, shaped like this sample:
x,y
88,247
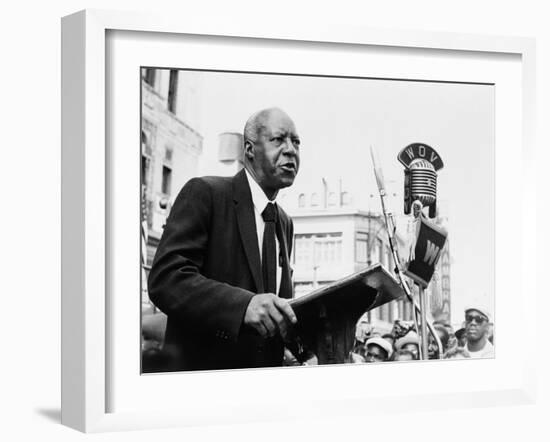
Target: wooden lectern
x,y
327,317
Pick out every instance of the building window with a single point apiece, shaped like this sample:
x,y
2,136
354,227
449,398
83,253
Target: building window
x,y
314,199
143,142
361,247
301,200
166,180
145,159
380,248
303,249
172,90
150,76
346,199
318,249
145,163
389,258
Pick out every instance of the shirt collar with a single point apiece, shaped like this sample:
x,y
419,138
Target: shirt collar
x,y
258,196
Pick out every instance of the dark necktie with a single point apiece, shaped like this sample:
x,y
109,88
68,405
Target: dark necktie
x,y
269,258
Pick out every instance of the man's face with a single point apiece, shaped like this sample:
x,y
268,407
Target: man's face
x,y
452,338
404,356
413,348
433,350
476,325
375,353
275,153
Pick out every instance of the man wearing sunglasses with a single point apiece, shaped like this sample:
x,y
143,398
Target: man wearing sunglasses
x,y
476,330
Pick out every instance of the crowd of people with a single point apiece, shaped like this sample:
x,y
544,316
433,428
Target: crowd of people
x,y
473,340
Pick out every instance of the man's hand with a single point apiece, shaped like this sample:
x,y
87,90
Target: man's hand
x,y
269,315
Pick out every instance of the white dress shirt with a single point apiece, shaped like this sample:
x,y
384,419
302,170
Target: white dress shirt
x,y
260,201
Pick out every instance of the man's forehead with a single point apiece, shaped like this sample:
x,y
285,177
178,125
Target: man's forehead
x,y
470,310
278,121
281,130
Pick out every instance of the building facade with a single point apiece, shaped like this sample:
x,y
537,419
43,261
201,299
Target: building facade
x,y
333,239
170,147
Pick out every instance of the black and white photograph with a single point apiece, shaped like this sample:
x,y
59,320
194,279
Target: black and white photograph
x,y
243,221
303,220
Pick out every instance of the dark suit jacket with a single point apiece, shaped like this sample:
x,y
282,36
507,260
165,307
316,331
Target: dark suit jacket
x,y
206,270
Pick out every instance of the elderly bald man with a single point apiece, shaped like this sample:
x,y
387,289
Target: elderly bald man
x,y
221,272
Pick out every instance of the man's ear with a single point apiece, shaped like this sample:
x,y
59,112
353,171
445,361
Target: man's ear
x,y
249,150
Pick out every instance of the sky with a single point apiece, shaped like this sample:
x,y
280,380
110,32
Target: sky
x,y
339,118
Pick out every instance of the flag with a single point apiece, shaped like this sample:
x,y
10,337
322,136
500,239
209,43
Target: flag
x,y
377,171
430,240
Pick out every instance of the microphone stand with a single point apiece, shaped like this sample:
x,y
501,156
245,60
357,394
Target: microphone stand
x,y
419,311
424,335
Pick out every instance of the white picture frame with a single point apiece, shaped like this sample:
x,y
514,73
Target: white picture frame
x,y
86,216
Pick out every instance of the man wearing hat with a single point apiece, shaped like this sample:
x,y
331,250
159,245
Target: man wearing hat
x,y
460,335
477,321
409,342
378,349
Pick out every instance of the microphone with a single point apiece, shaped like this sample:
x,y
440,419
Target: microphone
x,y
421,165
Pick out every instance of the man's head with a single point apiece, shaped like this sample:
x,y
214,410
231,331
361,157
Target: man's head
x,y
409,342
271,150
476,324
452,342
378,350
460,335
433,351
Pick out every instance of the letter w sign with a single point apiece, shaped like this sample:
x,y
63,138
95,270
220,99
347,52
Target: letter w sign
x,y
432,253
429,243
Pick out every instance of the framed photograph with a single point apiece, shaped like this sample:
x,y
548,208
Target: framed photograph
x,y
152,104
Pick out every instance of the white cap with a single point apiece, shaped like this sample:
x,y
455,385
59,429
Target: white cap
x,y
482,310
381,342
410,338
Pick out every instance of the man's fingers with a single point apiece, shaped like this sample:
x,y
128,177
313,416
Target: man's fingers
x,y
278,319
269,315
269,326
285,308
262,329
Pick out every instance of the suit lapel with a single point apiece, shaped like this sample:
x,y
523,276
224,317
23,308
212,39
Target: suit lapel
x,y
244,210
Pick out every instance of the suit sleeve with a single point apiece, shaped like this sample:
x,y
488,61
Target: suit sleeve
x,y
176,285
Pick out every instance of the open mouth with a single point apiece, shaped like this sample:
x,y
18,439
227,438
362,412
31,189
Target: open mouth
x,y
289,167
